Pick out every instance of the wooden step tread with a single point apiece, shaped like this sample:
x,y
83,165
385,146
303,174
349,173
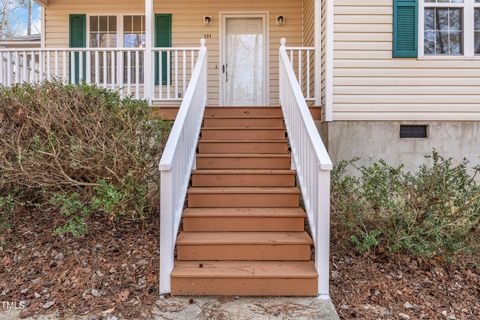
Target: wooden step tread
x,y
244,269
243,107
245,117
243,155
244,212
242,171
244,128
242,238
243,190
244,141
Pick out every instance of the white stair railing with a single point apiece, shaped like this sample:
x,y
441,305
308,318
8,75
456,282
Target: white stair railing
x,y
312,163
177,162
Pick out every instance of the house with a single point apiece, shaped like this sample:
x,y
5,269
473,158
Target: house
x,y
393,79
32,41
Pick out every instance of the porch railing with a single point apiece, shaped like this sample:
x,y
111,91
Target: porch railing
x,y
302,60
120,69
312,163
177,162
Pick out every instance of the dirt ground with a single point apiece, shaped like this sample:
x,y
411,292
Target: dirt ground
x,y
114,271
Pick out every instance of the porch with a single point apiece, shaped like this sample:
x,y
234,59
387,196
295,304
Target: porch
x,y
148,48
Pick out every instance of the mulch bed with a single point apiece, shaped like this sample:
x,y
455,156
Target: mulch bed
x,y
400,287
114,270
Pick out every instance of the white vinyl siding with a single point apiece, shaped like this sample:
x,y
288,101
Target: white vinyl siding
x,y
370,85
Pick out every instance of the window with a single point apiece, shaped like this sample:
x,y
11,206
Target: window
x,y
450,27
103,31
133,37
103,34
443,31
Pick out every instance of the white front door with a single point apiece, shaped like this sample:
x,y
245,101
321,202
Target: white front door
x,y
244,67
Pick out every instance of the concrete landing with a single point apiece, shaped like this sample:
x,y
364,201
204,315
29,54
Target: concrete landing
x,y
224,308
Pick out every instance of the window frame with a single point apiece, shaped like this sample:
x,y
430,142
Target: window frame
x,y
468,7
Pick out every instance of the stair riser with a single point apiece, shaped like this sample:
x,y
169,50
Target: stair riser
x,y
222,134
243,180
243,147
243,112
243,122
231,224
236,252
213,200
244,286
243,163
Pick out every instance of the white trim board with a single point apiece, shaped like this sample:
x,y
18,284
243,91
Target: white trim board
x,y
223,15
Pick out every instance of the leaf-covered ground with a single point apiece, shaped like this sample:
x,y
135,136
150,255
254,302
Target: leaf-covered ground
x,y
114,270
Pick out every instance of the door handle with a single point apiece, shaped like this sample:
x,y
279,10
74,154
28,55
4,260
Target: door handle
x,y
225,71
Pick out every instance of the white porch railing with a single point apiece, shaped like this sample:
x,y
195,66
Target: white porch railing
x,y
120,69
302,60
312,163
177,162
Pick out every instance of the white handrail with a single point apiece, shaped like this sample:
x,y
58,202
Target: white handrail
x,y
312,163
177,162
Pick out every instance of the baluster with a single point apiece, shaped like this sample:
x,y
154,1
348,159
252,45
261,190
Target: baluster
x,y
137,74
56,65
64,66
300,79
32,66
113,69
176,74
88,70
168,74
308,74
105,68
160,74
121,70
192,61
49,65
41,70
97,68
184,78
9,68
72,67
24,67
129,72
17,67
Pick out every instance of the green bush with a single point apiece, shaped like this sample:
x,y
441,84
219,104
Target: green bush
x,y
7,204
434,211
69,147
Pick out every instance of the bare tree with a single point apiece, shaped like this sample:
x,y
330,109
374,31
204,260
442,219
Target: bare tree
x,y
9,27
6,7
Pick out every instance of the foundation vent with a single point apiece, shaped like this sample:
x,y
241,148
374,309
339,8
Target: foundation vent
x,y
413,131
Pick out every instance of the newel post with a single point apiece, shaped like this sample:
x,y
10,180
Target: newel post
x,y
322,233
167,233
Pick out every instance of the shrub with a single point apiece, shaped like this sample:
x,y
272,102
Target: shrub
x,y
435,211
80,146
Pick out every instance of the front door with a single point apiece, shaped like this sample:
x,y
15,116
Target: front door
x,y
244,66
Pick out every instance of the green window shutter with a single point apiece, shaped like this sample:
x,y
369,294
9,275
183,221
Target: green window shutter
x,y
405,28
163,38
78,39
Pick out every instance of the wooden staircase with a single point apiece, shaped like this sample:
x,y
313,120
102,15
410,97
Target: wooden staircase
x,y
243,230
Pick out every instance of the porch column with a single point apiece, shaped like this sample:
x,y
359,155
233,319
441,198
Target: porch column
x,y
318,52
148,64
